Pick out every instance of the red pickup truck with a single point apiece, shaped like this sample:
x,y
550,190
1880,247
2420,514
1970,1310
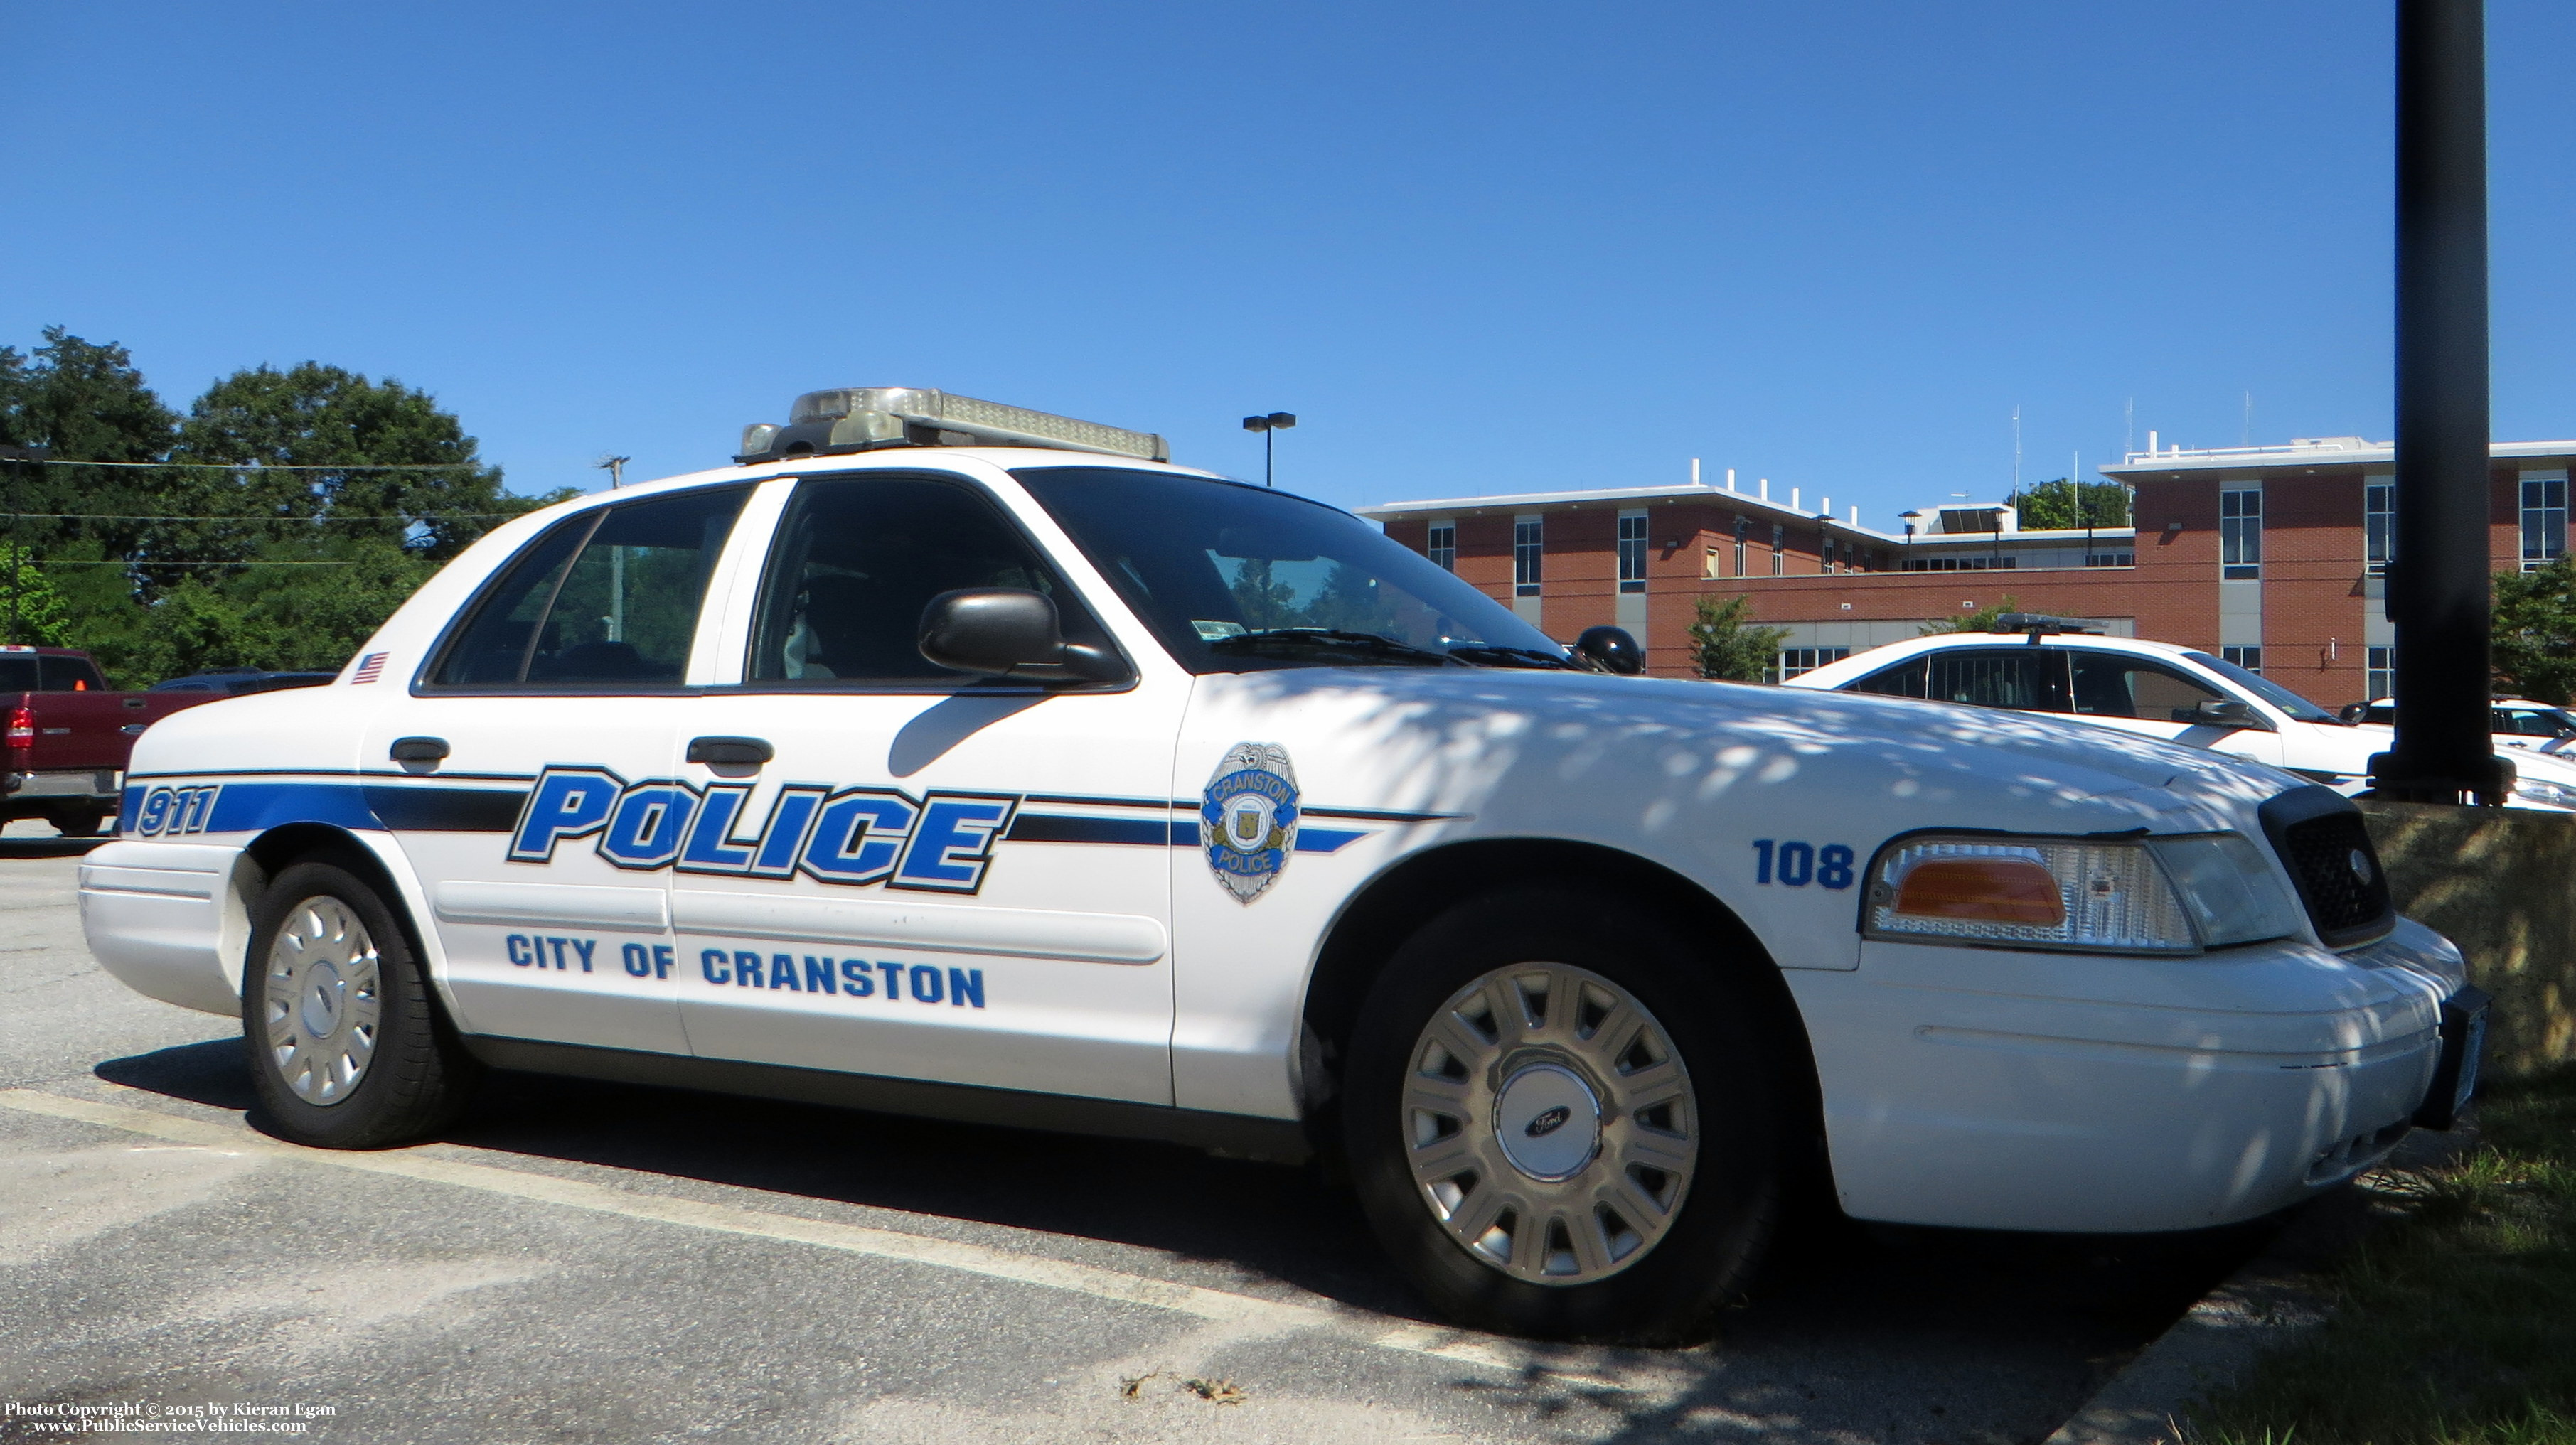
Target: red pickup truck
x,y
68,736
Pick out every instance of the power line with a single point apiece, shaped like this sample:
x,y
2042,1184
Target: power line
x,y
266,467
122,562
255,517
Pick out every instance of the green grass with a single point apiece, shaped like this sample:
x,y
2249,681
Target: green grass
x,y
2453,1323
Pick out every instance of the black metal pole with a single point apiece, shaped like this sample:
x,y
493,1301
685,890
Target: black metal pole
x,y
2438,587
1268,435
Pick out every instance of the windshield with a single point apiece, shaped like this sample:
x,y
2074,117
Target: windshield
x,y
2271,692
1234,578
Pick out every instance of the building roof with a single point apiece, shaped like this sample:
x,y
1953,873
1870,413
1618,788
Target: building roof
x,y
2307,452
1747,502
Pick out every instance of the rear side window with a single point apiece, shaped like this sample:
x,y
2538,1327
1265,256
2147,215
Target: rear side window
x,y
2031,679
18,674
606,599
68,674
856,562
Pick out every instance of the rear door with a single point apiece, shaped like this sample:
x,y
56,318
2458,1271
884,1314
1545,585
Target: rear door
x,y
544,833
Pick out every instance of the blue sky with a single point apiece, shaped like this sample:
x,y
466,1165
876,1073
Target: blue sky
x,y
1476,248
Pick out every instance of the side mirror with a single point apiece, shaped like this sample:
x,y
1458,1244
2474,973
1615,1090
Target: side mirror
x,y
1009,632
2225,714
1611,649
2352,713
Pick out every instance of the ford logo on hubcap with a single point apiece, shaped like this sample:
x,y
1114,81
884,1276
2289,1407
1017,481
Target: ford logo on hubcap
x,y
1549,1121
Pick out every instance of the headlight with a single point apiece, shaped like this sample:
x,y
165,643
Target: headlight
x,y
2156,895
2548,795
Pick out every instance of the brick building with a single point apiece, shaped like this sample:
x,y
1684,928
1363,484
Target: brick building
x,y
2272,555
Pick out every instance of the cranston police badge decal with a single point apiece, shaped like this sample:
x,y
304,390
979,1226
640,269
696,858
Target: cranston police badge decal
x,y
1248,818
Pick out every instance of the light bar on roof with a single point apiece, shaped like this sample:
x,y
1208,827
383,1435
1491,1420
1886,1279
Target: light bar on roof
x,y
862,418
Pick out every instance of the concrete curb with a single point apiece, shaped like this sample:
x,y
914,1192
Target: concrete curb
x,y
2268,1302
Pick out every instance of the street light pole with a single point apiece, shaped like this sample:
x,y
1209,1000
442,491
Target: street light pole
x,y
1269,426
2438,584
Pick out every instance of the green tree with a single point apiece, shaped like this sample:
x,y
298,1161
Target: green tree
x,y
2069,505
2534,647
233,559
1727,647
31,613
413,479
87,402
1980,620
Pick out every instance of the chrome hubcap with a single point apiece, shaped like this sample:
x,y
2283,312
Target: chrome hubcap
x,y
1549,1125
322,1001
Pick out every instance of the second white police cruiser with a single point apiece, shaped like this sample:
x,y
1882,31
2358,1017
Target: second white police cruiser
x,y
965,761
2063,669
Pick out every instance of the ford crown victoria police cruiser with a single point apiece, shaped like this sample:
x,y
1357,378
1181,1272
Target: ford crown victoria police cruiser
x,y
2155,689
954,759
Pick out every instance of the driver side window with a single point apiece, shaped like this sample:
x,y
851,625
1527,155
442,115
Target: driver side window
x,y
855,562
2108,684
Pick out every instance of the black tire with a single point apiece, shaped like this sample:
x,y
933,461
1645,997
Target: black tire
x,y
1707,1015
414,1078
79,822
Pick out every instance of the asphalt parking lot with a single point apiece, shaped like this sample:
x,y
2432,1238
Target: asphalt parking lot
x,y
584,1262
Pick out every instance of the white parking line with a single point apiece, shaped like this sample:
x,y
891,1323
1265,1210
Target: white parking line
x,y
1108,1284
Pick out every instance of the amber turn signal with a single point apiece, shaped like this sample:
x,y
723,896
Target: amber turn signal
x,y
1993,890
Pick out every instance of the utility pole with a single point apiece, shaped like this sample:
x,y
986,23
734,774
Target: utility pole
x,y
616,469
2438,585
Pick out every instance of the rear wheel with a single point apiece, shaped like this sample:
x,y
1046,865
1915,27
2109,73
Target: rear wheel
x,y
1563,1121
347,1048
79,822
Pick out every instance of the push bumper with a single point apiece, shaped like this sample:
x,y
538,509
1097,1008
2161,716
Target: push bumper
x,y
2003,1090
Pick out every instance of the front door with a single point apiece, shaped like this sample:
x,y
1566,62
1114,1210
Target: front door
x,y
542,833
904,871
2139,695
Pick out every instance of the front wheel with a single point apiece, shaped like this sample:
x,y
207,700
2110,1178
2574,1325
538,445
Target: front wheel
x,y
1563,1120
347,1049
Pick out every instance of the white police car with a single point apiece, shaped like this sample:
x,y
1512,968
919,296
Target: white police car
x,y
1048,784
2052,666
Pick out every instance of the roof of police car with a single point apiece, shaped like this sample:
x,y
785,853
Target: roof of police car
x,y
1887,652
889,459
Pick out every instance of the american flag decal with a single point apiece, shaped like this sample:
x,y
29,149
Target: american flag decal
x,y
370,667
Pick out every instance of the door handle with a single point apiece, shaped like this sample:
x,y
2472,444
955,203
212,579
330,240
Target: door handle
x,y
419,750
742,752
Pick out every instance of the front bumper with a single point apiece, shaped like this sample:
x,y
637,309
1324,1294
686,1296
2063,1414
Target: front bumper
x,y
2011,1090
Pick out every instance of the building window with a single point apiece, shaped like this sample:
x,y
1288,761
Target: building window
x,y
2248,658
1779,550
1528,541
2110,559
1444,545
2383,672
2379,525
1708,563
2544,520
1798,661
1976,563
1743,529
2240,533
1632,551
